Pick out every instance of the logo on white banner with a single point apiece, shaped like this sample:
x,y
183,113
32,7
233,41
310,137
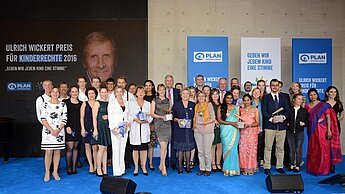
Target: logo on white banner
x,y
304,58
208,57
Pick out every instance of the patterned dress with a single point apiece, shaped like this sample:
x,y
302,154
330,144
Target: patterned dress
x,y
55,115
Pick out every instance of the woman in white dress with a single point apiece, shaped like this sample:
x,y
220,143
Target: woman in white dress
x,y
117,116
140,130
54,119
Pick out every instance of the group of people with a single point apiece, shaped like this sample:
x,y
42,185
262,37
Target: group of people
x,y
230,131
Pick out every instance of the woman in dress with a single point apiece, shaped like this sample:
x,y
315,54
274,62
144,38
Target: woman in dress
x,y
332,98
216,144
54,119
150,94
203,123
229,135
87,129
256,96
207,90
192,98
160,107
183,112
73,129
140,129
249,137
118,120
295,132
323,136
100,124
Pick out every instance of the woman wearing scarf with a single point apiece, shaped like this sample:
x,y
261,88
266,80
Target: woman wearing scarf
x,y
323,136
229,134
204,119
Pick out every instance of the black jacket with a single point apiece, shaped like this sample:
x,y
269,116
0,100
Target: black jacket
x,y
302,115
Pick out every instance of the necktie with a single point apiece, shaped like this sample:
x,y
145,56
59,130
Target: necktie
x,y
221,96
276,101
169,95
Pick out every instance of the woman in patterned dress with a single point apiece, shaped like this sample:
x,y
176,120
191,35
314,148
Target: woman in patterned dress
x,y
54,119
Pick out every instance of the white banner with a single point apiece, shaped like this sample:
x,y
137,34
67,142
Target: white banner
x,y
260,59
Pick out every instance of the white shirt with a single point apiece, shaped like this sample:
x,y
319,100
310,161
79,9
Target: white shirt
x,y
171,94
128,96
39,102
221,95
82,97
111,96
273,96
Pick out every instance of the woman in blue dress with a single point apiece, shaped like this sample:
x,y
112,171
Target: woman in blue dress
x,y
183,112
229,135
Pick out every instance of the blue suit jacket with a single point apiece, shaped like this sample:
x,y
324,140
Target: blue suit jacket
x,y
268,107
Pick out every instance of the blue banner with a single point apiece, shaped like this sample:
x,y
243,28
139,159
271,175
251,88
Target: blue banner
x,y
312,64
312,68
207,56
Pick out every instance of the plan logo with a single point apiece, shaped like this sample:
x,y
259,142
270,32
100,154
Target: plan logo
x,y
305,58
19,86
208,57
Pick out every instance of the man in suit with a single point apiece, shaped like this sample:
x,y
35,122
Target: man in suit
x,y
222,83
173,95
275,125
200,82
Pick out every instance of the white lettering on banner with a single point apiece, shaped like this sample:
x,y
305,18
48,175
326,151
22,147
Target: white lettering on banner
x,y
208,57
304,58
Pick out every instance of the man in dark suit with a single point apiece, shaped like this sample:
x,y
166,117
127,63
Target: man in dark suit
x,y
275,125
173,95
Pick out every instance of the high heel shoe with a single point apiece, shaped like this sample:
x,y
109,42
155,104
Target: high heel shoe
x,y
219,168
46,178
180,171
151,167
135,173
214,167
56,177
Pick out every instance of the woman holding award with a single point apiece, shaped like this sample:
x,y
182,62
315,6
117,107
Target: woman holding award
x,y
117,116
229,135
249,137
139,119
54,118
160,110
183,112
204,118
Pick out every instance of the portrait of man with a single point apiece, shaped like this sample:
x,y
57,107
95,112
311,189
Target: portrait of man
x,y
100,56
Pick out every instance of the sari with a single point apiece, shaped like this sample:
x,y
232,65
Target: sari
x,y
322,152
230,137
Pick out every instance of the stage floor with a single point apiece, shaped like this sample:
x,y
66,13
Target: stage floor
x,y
25,175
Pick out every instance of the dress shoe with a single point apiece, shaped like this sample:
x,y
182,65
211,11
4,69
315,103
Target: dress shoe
x,y
152,168
267,171
200,172
74,171
173,167
135,173
290,169
56,177
296,170
92,173
99,175
124,174
69,172
145,173
189,171
207,173
180,171
281,171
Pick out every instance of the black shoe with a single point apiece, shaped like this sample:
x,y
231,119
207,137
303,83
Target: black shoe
x,y
99,175
296,170
152,168
92,173
290,169
74,172
124,174
189,171
135,174
173,167
281,171
145,173
69,173
207,173
267,171
200,172
180,171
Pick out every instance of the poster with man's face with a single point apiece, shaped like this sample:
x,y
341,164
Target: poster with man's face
x,y
63,50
